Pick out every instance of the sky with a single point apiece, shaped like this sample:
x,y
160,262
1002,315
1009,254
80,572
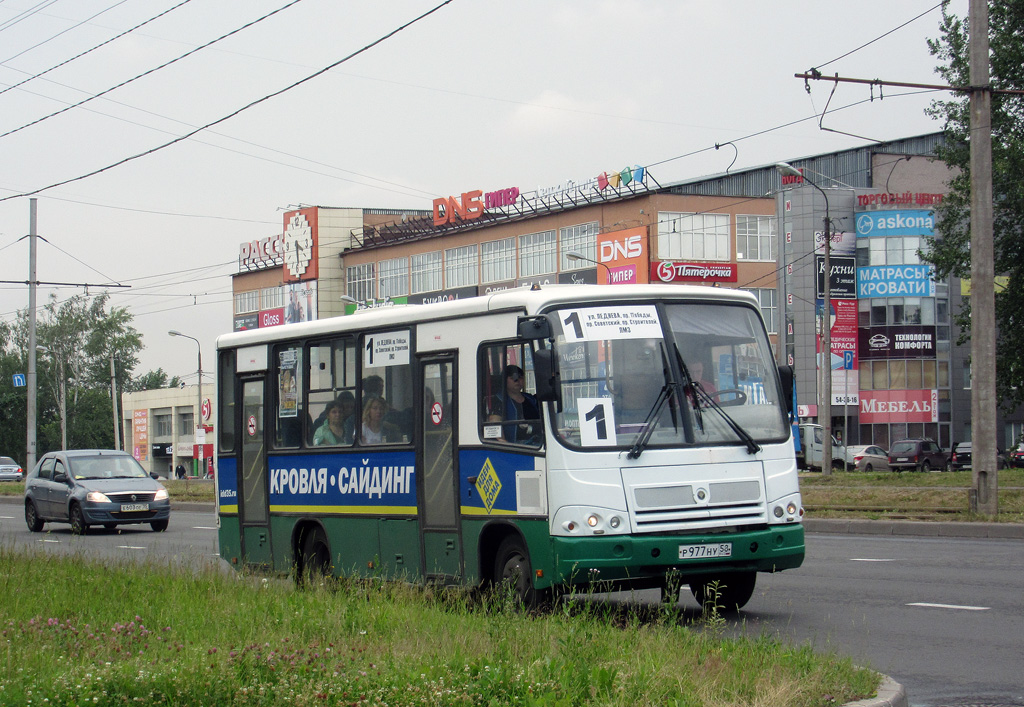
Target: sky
x,y
478,94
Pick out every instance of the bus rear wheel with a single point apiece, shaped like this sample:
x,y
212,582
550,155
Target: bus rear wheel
x,y
727,593
514,573
316,556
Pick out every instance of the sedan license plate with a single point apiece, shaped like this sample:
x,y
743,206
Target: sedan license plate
x,y
902,459
130,507
697,552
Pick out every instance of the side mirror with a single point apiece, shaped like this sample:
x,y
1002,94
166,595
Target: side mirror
x,y
534,328
60,478
155,476
545,369
786,376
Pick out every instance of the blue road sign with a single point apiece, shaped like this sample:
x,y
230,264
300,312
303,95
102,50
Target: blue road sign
x,y
19,380
848,360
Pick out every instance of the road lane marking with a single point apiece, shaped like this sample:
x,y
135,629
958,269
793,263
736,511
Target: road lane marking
x,y
204,527
949,606
47,540
871,559
131,547
8,517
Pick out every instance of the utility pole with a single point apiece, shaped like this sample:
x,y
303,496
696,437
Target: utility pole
x,y
113,403
31,382
984,489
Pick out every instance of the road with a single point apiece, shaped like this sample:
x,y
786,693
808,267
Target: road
x,y
944,617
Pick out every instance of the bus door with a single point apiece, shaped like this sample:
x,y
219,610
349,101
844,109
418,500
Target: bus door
x,y
252,471
438,490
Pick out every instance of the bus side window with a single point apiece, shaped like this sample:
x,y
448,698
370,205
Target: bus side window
x,y
509,411
288,398
394,385
331,385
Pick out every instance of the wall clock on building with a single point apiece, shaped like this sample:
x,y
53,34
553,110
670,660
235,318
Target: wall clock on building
x,y
298,245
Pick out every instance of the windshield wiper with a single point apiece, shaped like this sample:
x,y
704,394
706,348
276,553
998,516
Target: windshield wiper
x,y
689,384
752,446
644,436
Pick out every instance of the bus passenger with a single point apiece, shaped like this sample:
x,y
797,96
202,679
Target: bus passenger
x,y
332,431
375,429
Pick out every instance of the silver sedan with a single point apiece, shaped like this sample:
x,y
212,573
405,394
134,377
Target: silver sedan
x,y
867,457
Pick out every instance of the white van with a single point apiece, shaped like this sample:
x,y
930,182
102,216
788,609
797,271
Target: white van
x,y
812,439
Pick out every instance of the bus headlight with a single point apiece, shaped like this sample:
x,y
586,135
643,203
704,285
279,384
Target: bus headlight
x,y
614,521
593,520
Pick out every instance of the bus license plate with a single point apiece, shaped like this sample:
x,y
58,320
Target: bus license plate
x,y
697,552
129,507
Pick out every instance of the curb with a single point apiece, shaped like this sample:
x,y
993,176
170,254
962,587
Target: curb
x,y
890,694
1006,531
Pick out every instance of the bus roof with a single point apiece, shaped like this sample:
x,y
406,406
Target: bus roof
x,y
528,300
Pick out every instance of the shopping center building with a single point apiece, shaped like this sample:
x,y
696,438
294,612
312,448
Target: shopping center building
x,y
895,367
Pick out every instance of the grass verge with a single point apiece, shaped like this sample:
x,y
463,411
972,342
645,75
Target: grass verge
x,y
907,495
82,633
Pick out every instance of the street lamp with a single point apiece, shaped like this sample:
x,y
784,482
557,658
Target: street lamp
x,y
825,404
199,389
576,255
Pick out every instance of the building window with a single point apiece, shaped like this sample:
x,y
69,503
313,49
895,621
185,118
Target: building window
x,y
271,297
186,421
693,236
498,260
537,254
460,267
766,298
755,238
162,424
426,272
892,250
361,282
247,302
393,277
581,239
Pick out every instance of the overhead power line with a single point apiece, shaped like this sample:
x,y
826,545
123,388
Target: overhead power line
x,y
153,70
87,51
236,112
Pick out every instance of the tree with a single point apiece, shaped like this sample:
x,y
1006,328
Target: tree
x,y
950,253
79,336
153,380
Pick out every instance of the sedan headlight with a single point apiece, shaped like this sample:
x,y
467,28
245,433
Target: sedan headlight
x,y
161,495
96,497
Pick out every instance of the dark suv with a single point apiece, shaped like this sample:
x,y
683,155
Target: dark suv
x,y
917,455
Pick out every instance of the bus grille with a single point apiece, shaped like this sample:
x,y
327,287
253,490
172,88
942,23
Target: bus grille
x,y
675,507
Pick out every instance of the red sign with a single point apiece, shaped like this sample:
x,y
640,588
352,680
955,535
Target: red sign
x,y
670,271
272,317
450,210
436,414
899,406
624,255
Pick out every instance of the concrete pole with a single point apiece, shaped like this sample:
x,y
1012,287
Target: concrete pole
x,y
31,379
113,402
984,489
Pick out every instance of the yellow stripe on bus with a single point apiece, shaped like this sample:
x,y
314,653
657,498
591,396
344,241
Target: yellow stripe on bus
x,y
229,509
403,510
473,511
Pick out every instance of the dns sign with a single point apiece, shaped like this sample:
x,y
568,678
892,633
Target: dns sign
x,y
450,210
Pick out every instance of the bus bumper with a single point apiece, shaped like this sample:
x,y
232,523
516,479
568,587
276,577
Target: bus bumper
x,y
644,560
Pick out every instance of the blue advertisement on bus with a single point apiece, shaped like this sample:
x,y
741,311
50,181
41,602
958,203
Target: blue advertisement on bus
x,y
493,490
227,484
374,482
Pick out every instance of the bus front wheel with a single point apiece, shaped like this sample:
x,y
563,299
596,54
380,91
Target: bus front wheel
x,y
514,573
727,593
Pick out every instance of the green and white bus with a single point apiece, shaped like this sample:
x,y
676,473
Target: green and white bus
x,y
559,437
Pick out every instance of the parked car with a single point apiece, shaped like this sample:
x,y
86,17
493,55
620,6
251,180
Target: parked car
x,y
867,457
10,470
93,487
1016,457
917,455
961,457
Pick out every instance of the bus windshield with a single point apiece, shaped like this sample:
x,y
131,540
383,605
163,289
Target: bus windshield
x,y
672,375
